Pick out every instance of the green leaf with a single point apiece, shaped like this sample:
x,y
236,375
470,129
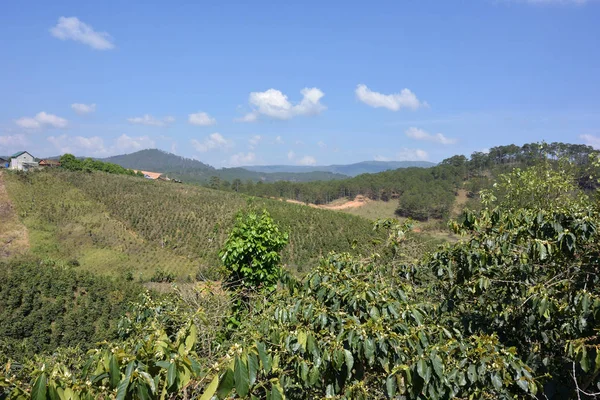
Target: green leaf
x,y
149,381
226,384
171,374
390,386
264,357
302,339
38,392
349,362
252,368
438,366
211,389
276,392
113,371
496,381
472,373
422,368
122,390
241,377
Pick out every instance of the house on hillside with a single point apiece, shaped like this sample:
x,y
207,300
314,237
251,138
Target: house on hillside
x,y
49,163
153,175
4,162
22,161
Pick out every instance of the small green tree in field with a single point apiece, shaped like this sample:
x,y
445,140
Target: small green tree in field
x,y
251,253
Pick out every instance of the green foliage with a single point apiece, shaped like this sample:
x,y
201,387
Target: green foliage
x,y
71,163
111,223
251,252
353,331
43,307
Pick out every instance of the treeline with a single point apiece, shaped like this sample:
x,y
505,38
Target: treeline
x,y
72,163
424,193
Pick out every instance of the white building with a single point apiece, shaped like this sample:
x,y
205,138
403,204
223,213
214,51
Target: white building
x,y
22,161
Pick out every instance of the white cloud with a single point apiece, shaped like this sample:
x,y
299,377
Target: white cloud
x,y
95,146
72,28
394,102
254,141
591,140
79,145
13,140
250,117
149,120
279,140
201,119
321,144
126,143
214,141
307,160
273,103
83,109
412,154
242,159
41,120
381,158
420,134
291,155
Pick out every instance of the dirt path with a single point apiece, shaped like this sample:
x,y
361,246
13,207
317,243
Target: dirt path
x,y
359,201
14,238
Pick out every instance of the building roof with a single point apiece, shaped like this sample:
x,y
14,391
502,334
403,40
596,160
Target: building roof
x,y
17,154
151,175
49,162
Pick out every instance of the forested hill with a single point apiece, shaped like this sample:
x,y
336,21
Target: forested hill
x,y
424,193
194,171
158,160
365,167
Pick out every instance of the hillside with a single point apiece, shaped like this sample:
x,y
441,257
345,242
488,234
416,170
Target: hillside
x,y
365,167
194,171
128,226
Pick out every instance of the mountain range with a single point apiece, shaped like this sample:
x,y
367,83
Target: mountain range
x,y
194,171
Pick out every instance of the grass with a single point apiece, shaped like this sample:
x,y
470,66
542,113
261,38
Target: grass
x,y
374,210
126,226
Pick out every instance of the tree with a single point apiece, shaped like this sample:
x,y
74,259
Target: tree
x,y
251,253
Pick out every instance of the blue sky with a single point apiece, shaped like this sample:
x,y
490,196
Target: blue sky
x,y
311,82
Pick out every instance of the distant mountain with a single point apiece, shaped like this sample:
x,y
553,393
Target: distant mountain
x,y
365,167
194,171
157,160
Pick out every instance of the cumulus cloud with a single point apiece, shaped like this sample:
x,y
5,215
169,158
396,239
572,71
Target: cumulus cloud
x,y
406,154
42,120
79,145
83,109
420,134
279,140
291,155
149,120
126,143
95,145
321,144
201,119
394,101
13,140
242,158
254,141
307,160
591,140
381,158
274,104
215,141
71,28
